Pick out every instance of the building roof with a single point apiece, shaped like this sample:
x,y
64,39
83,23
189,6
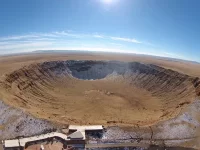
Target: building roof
x,y
12,143
85,128
76,135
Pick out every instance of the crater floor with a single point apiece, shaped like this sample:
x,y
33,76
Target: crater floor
x,y
99,92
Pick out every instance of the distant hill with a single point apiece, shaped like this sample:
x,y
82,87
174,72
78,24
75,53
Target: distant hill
x,y
95,52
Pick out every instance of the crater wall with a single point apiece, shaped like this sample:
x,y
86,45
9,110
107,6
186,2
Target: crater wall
x,y
79,92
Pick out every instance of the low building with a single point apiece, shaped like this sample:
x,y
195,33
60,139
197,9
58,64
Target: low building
x,y
85,128
77,137
12,145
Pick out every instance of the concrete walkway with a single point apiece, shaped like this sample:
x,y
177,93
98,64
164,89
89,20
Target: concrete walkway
x,y
23,141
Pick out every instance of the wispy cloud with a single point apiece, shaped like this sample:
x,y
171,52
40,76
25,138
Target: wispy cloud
x,y
69,34
42,39
18,37
98,36
126,40
69,40
30,36
62,34
24,45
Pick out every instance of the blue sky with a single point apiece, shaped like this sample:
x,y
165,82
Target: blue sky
x,y
168,28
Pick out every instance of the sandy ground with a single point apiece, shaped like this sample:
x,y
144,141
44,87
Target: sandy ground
x,y
1,147
95,101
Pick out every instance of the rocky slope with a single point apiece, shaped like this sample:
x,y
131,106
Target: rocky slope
x,y
15,123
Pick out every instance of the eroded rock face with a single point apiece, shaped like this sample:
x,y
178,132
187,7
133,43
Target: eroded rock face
x,y
146,76
93,92
100,69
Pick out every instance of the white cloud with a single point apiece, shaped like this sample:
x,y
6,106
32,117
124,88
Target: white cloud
x,y
70,40
30,36
42,39
126,40
17,37
46,35
63,34
67,33
24,45
66,40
